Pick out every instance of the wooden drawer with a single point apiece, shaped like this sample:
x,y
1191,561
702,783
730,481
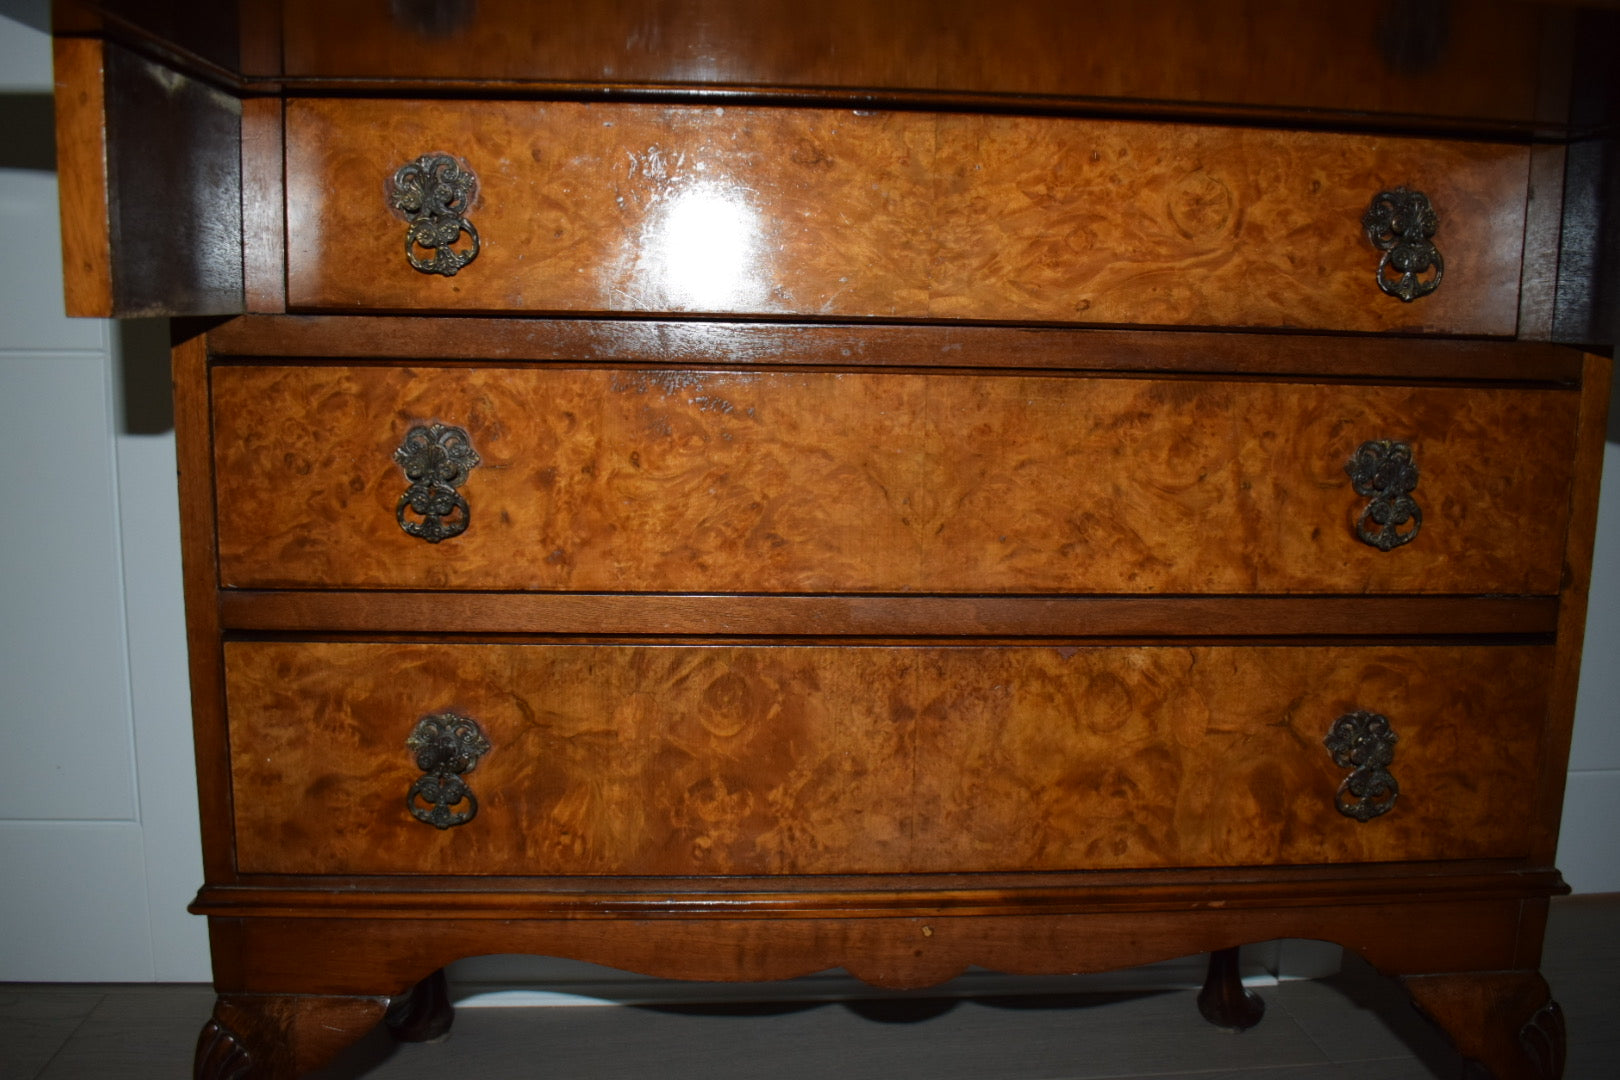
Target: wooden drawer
x,y
830,213
700,759
1189,52
596,479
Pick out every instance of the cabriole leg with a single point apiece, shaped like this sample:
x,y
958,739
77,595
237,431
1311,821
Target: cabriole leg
x,y
423,1013
1506,1021
280,1036
1224,1000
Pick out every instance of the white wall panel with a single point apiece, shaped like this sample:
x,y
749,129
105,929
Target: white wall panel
x,y
73,903
160,695
1597,708
65,707
101,856
1589,849
32,315
25,48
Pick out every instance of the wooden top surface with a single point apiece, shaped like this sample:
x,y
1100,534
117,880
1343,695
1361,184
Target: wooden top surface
x,y
1467,62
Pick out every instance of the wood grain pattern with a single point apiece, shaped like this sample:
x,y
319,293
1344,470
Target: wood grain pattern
x,y
865,896
264,227
614,480
884,616
818,760
174,150
81,157
280,1037
1497,1019
944,347
1218,52
1590,450
1543,226
641,208
200,580
336,955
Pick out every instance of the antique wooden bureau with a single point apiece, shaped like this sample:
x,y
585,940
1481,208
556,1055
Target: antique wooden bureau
x,y
729,492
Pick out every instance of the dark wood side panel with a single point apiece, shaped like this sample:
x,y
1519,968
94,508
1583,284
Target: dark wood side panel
x,y
264,224
201,33
151,186
830,214
1538,290
600,480
786,760
199,564
1589,452
1589,254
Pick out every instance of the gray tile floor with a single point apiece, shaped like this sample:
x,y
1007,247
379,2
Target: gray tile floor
x,y
1353,1026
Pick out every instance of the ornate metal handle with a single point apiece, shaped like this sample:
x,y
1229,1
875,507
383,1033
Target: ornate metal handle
x,y
446,746
1384,471
1399,223
433,194
436,460
1364,741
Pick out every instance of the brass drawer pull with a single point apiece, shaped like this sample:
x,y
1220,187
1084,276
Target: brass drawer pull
x,y
1383,471
433,193
1400,223
446,747
1364,741
437,460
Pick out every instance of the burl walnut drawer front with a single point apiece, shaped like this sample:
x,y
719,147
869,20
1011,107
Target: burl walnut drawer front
x,y
832,213
617,759
796,481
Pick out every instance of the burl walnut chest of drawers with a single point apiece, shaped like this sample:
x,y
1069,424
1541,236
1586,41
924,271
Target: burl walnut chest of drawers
x,y
730,492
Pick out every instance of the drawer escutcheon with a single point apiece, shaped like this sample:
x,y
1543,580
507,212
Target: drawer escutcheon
x,y
1365,742
1383,471
433,193
1400,223
446,747
437,459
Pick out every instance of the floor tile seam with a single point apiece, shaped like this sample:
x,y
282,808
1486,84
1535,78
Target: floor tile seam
x,y
1323,1058
1280,1000
68,1039
1409,1056
1259,1072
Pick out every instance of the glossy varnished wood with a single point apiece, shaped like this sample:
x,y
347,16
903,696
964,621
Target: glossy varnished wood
x,y
264,210
501,898
200,579
855,581
737,760
1224,1001
334,955
638,208
622,614
943,346
1222,53
617,480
